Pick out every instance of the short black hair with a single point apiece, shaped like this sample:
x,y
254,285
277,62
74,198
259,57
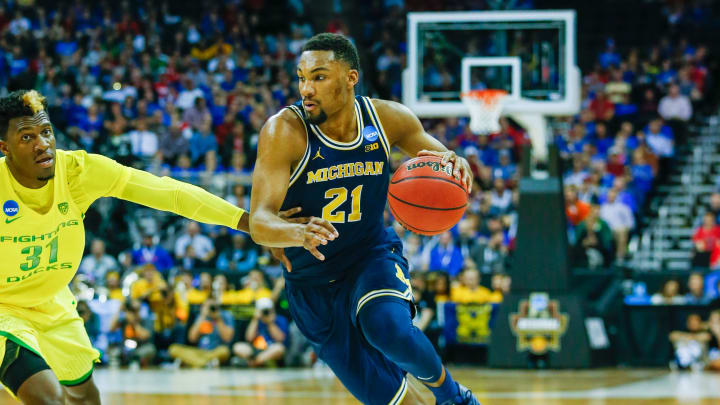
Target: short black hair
x,y
19,103
340,45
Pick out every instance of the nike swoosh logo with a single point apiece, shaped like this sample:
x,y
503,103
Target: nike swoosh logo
x,y
424,379
8,220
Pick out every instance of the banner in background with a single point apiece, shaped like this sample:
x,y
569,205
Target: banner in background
x,y
538,324
467,323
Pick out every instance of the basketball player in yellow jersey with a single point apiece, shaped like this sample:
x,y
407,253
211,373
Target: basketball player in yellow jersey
x,y
45,354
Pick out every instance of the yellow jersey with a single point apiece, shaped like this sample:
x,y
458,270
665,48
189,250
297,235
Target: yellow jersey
x,y
42,236
463,295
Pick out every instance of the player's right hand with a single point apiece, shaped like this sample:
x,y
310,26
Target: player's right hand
x,y
318,232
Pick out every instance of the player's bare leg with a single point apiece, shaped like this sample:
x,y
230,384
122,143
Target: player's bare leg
x,y
84,394
42,388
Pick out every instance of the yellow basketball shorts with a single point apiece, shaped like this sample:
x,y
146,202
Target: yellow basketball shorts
x,y
53,331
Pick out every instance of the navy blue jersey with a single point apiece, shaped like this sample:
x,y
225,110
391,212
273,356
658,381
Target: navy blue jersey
x,y
345,183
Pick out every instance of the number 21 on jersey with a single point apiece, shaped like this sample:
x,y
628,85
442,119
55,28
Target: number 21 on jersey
x,y
339,195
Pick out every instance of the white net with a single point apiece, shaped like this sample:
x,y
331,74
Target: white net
x,y
485,107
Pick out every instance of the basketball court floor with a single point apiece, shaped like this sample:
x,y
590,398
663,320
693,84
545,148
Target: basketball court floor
x,y
319,387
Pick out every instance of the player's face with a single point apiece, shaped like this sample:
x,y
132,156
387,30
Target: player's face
x,y
30,149
326,84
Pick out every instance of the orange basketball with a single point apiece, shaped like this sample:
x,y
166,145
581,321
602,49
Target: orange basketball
x,y
424,196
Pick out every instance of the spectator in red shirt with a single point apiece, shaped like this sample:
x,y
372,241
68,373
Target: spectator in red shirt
x,y
224,128
616,162
603,109
706,239
518,136
575,209
128,25
4,19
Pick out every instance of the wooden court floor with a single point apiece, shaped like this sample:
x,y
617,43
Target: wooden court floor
x,y
319,387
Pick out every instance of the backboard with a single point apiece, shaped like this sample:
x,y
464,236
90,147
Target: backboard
x,y
531,54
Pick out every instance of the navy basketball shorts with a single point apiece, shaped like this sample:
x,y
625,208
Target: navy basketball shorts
x,y
327,316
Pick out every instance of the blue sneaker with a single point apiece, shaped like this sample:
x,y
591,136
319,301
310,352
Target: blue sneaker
x,y
466,397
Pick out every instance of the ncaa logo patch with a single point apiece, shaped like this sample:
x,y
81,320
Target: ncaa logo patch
x,y
11,208
370,133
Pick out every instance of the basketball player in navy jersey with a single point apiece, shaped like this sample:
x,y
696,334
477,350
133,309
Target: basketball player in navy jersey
x,y
346,279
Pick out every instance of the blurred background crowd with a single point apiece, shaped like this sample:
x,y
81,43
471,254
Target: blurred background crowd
x,y
183,90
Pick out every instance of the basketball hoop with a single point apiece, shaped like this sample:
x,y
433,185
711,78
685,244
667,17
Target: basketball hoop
x,y
485,107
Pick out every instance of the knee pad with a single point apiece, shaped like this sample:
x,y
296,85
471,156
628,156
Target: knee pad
x,y
386,321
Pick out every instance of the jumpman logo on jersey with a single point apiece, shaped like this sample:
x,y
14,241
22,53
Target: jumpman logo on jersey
x,y
318,155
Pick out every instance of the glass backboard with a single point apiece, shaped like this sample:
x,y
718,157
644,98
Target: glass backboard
x,y
449,52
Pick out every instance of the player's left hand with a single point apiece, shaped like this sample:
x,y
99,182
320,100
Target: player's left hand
x,y
461,167
279,253
292,211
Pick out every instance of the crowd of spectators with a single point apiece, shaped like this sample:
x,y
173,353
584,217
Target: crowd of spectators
x,y
635,112
161,89
185,95
215,298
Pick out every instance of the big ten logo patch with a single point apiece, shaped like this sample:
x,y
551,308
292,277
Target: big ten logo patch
x,y
371,147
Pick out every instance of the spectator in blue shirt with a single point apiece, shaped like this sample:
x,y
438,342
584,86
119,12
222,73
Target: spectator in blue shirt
x,y
228,83
266,336
446,256
217,109
201,142
240,258
575,142
610,57
660,138
641,171
487,154
668,74
623,195
505,170
17,62
601,140
67,46
151,252
639,139
626,108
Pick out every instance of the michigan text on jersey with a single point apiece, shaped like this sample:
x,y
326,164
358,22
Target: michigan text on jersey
x,y
345,170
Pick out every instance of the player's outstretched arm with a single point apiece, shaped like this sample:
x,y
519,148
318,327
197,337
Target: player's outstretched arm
x,y
405,131
97,176
282,142
187,200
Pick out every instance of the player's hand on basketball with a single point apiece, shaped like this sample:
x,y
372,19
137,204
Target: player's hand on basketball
x,y
461,167
318,232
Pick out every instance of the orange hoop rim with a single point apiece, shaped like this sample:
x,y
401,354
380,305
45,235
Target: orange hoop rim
x,y
485,95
